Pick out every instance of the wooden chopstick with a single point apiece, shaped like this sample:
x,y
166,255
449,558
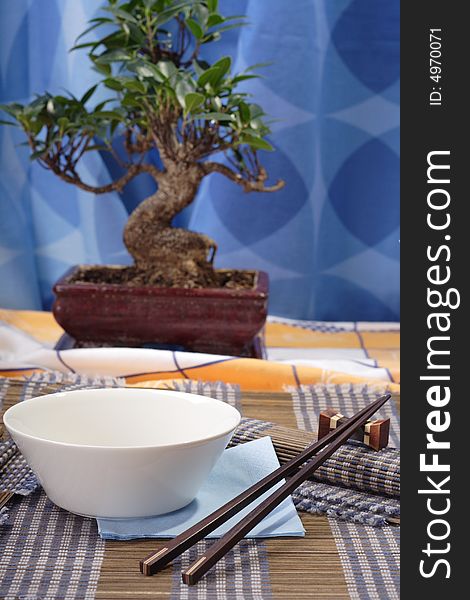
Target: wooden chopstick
x,y
238,531
155,561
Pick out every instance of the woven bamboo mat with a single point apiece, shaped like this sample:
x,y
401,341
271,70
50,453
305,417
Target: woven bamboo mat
x,y
307,567
290,569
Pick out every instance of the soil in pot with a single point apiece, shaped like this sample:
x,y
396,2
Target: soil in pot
x,y
133,276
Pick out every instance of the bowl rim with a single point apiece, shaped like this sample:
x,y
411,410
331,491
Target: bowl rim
x,y
13,430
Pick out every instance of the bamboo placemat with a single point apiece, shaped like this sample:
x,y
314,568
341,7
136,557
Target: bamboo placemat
x,y
321,565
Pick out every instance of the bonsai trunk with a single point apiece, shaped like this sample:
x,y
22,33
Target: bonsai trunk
x,y
164,254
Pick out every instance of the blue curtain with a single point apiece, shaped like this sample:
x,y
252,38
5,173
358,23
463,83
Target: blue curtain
x,y
329,240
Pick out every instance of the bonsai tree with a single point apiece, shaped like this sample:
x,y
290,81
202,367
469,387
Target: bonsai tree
x,y
164,97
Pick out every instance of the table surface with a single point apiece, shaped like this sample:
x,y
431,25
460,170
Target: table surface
x,y
335,559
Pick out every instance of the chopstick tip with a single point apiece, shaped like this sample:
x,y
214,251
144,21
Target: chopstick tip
x,y
144,569
189,579
194,573
155,562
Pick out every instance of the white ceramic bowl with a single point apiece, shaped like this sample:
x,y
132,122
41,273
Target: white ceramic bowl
x,y
121,452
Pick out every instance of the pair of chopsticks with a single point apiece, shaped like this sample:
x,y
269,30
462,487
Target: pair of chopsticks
x,y
299,468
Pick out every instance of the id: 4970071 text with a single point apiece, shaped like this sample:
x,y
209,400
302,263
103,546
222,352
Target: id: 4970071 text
x,y
435,66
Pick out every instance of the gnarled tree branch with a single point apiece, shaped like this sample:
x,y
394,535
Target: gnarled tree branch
x,y
248,185
114,186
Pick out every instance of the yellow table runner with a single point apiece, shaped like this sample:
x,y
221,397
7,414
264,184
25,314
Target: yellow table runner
x,y
298,352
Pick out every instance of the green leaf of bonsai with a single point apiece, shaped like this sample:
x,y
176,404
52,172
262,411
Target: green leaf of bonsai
x,y
182,88
87,95
113,84
223,64
239,78
13,109
169,13
193,100
63,122
103,69
36,154
134,86
96,23
214,75
195,28
256,142
166,67
109,115
229,27
215,116
211,77
201,12
245,114
214,20
121,14
112,56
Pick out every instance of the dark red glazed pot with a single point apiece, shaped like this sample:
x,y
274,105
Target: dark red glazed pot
x,y
213,320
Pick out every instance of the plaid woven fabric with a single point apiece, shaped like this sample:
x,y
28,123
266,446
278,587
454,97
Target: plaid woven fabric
x,y
248,430
322,326
7,450
71,381
369,555
335,326
310,400
345,504
4,383
15,474
51,382
213,389
249,556
352,466
355,466
370,558
47,553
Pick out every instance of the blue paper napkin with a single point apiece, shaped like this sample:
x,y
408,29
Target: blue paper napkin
x,y
237,469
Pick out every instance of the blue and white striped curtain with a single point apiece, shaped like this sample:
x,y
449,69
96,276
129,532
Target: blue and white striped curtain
x,y
329,240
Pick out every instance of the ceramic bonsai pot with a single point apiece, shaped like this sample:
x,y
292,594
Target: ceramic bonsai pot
x,y
212,320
